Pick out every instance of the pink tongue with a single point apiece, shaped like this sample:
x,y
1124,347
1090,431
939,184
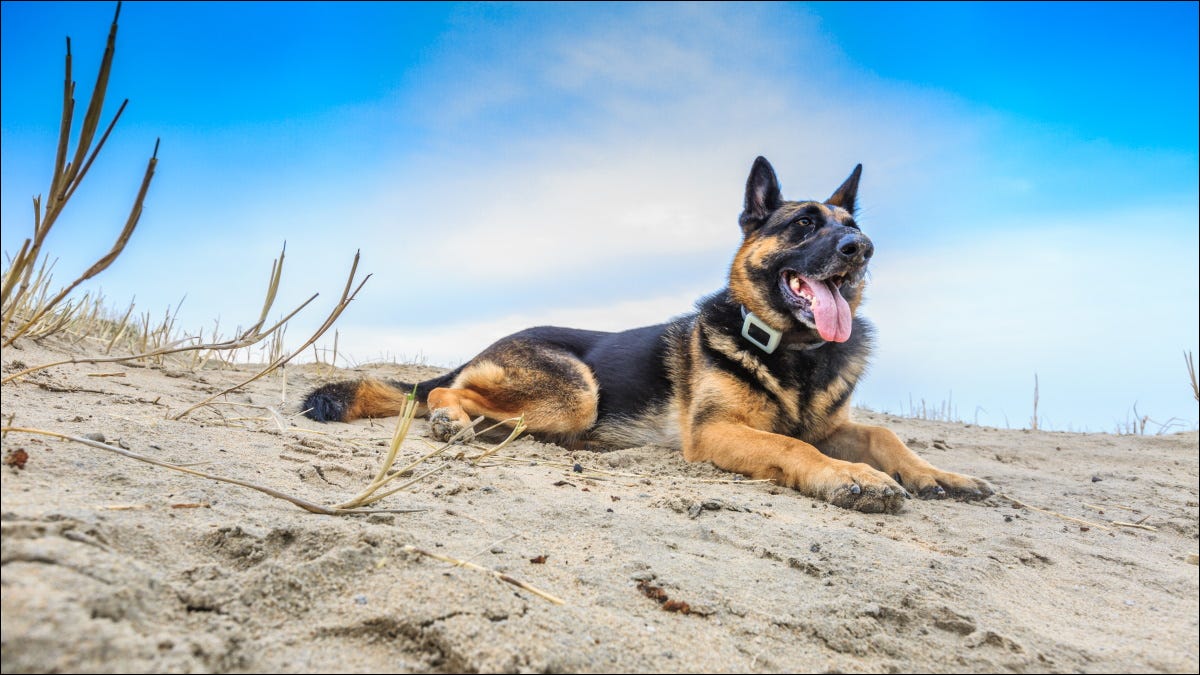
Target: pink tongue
x,y
830,310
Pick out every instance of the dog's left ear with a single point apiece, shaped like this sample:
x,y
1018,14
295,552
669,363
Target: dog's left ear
x,y
846,196
762,195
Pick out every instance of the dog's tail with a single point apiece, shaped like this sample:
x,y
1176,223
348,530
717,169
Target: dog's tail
x,y
356,399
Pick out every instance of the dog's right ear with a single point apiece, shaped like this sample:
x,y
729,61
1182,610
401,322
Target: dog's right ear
x,y
762,196
846,196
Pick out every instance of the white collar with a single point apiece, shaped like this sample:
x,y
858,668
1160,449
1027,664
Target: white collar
x,y
774,337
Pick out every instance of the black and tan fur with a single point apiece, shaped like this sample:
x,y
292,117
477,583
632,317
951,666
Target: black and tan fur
x,y
695,382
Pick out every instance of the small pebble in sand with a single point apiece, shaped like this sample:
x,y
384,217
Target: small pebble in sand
x,y
1096,479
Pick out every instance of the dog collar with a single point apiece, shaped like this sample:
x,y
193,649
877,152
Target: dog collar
x,y
758,333
755,330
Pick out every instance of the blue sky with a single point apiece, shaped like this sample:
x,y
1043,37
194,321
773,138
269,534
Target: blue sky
x,y
1030,174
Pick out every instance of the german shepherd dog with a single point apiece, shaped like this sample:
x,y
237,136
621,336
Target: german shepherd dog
x,y
757,380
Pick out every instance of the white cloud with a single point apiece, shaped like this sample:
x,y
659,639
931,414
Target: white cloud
x,y
1101,313
661,116
455,342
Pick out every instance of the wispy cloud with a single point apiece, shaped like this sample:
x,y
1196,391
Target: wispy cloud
x,y
453,342
1100,307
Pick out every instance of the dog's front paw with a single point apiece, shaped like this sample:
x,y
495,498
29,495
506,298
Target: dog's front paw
x,y
444,427
934,483
861,488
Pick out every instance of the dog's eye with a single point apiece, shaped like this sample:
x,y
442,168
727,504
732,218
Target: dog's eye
x,y
804,221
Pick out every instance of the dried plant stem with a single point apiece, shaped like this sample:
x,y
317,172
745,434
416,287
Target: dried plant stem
x,y
101,264
246,338
518,428
1080,521
385,474
425,475
302,503
1139,526
1110,506
332,365
1034,421
19,283
499,575
348,296
119,331
407,484
403,424
1190,360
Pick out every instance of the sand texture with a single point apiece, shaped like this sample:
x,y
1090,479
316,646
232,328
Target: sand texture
x,y
112,565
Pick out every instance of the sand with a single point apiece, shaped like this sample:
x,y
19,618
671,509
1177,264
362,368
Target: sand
x,y
112,565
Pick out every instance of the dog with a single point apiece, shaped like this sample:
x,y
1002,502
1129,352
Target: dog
x,y
757,380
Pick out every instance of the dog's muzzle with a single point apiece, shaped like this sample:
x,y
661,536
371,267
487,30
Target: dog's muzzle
x,y
855,248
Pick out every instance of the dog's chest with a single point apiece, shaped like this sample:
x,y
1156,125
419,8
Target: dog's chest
x,y
820,387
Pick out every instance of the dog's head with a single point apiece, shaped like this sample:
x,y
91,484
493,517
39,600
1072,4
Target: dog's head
x,y
802,265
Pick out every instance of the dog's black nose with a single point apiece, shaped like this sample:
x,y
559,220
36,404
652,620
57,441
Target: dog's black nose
x,y
855,248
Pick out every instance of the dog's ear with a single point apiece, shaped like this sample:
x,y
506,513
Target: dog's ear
x,y
846,196
762,196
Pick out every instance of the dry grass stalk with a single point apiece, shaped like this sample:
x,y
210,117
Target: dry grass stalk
x,y
119,331
1112,506
1139,526
332,365
1080,521
1191,367
518,427
498,575
253,335
386,474
302,503
1034,421
101,264
403,423
348,296
23,297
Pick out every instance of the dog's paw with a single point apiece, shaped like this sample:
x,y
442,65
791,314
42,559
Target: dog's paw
x,y
934,483
861,488
444,427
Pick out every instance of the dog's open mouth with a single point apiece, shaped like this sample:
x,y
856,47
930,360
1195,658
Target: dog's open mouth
x,y
818,303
